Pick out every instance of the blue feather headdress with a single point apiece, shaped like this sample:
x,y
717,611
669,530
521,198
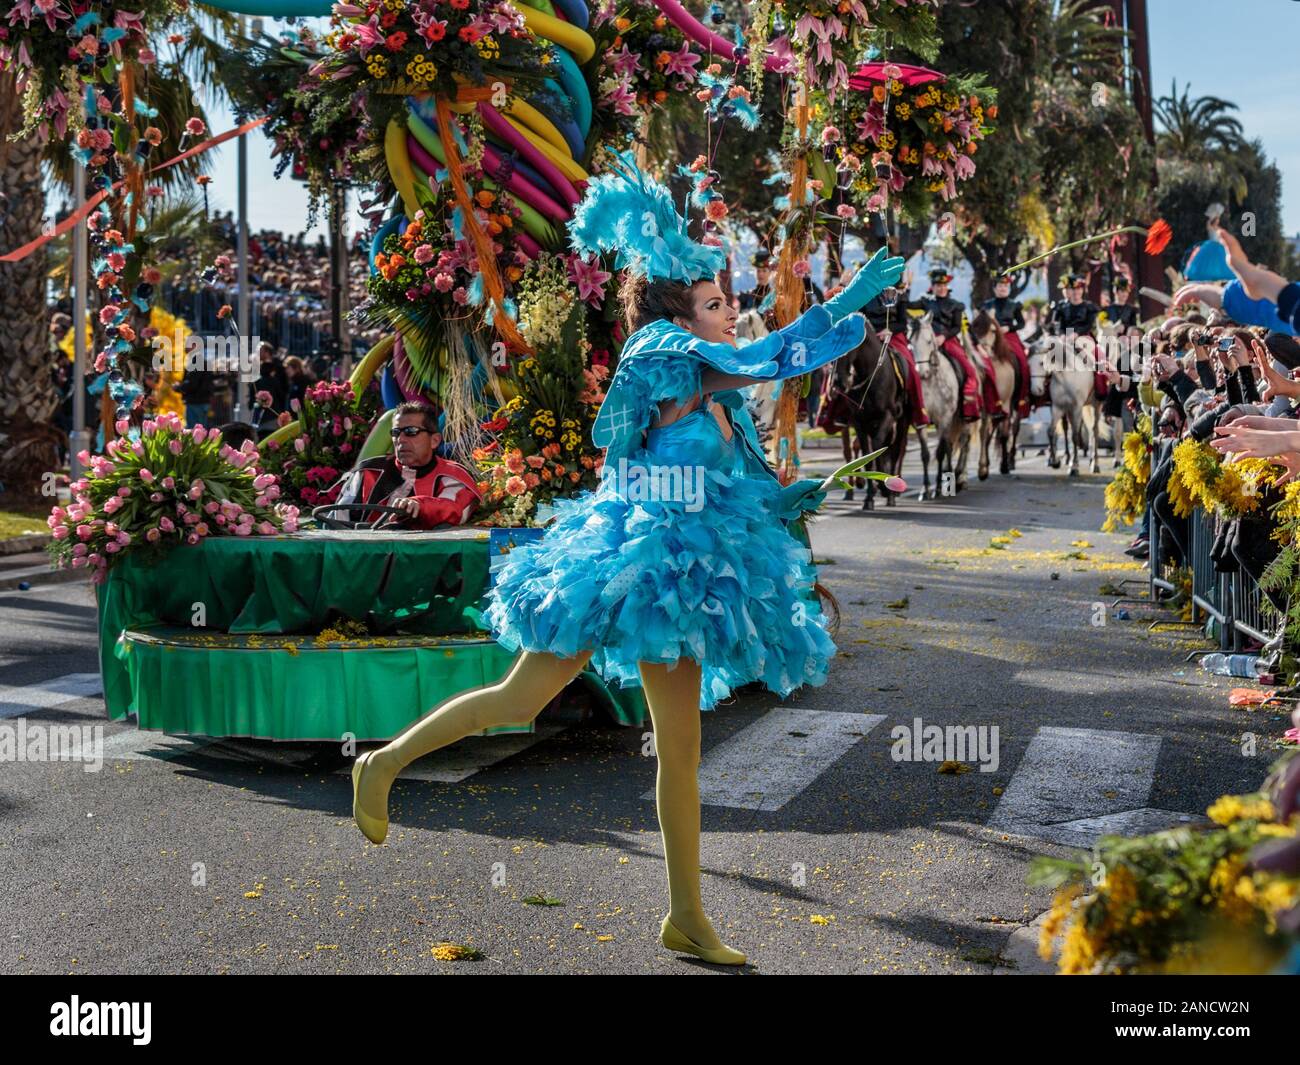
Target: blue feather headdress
x,y
630,213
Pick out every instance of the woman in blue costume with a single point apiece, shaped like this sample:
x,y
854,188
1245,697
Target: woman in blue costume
x,y
678,572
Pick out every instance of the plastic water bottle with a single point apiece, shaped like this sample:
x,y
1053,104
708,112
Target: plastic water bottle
x,y
1238,665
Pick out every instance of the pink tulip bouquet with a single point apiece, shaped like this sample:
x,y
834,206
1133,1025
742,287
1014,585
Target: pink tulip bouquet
x,y
171,486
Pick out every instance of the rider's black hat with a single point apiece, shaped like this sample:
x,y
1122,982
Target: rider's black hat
x,y
1069,280
1123,282
940,276
1002,276
762,257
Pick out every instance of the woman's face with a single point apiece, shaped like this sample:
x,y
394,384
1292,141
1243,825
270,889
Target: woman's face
x,y
715,320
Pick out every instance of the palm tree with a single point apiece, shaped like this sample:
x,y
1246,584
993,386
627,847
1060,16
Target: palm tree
x,y
1201,133
27,395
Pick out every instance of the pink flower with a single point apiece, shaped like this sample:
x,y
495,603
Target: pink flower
x,y
846,211
112,547
59,532
682,63
174,446
195,127
153,536
146,475
166,525
169,482
266,528
155,497
124,492
202,528
515,486
423,254
444,282
589,277
802,268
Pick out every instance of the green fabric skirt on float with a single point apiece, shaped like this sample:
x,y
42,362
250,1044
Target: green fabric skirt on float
x,y
225,638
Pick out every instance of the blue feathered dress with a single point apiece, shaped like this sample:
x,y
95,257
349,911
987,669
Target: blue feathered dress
x,y
679,552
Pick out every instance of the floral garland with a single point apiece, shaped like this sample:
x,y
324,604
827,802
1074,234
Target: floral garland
x,y
335,424
168,486
1230,489
1184,900
1126,494
543,449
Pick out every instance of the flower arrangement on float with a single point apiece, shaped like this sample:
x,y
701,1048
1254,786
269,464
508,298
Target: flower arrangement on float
x,y
1222,898
167,486
335,423
644,60
322,136
392,48
543,447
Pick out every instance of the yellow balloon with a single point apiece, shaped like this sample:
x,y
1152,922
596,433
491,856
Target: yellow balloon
x,y
563,160
539,124
399,165
564,34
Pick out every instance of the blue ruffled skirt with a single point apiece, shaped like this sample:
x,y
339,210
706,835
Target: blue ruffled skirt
x,y
717,579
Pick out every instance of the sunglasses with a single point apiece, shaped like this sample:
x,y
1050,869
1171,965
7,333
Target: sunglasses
x,y
407,430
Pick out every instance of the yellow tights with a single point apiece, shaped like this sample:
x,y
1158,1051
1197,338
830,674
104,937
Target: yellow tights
x,y
673,697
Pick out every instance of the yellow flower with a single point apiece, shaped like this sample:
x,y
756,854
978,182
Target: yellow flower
x,y
1232,808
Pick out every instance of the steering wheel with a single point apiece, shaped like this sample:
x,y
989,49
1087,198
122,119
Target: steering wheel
x,y
321,515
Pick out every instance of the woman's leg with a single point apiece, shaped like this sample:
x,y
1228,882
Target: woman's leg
x,y
533,681
673,698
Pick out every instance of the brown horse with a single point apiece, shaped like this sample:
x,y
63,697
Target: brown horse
x,y
867,390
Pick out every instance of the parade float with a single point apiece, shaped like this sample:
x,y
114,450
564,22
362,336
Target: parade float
x,y
471,127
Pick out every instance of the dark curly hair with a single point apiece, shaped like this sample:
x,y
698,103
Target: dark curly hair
x,y
645,301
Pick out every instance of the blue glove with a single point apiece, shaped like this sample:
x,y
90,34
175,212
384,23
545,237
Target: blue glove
x,y
798,497
876,274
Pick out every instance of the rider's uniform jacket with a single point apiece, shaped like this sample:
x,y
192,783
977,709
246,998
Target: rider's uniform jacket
x,y
947,314
1007,311
1123,315
880,316
445,489
1081,317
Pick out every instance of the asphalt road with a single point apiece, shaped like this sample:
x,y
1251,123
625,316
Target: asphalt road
x,y
822,852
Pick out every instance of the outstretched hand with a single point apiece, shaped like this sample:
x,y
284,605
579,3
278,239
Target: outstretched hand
x,y
798,497
874,276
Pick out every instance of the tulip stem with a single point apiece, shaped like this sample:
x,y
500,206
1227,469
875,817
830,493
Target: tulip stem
x,y
1074,244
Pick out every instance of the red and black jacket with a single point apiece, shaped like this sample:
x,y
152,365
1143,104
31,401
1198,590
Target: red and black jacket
x,y
445,489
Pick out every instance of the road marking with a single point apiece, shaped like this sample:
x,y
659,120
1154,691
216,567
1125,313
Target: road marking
x,y
768,763
137,745
16,700
1076,784
464,758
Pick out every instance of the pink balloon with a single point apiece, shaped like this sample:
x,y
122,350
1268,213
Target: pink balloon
x,y
701,34
494,121
520,186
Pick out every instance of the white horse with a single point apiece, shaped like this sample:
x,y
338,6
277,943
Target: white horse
x,y
941,391
1068,379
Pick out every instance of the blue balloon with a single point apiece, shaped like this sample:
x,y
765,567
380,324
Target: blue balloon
x,y
1208,261
388,390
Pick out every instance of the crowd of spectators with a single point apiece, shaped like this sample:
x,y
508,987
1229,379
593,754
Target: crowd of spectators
x,y
1223,369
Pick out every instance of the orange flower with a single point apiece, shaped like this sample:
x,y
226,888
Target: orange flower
x,y
514,273
485,198
1158,237
992,111
622,24
878,93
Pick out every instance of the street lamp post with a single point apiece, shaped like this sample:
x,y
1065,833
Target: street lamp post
x,y
78,439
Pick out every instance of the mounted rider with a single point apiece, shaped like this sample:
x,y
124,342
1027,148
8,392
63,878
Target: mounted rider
x,y
1121,312
948,319
1075,316
1010,315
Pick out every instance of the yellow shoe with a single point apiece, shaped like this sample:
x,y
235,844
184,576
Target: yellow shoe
x,y
375,829
674,939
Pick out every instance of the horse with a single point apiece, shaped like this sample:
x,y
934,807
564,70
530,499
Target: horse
x,y
986,343
942,390
870,382
1071,387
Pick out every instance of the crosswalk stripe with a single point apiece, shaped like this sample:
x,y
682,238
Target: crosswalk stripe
x,y
464,758
1075,784
134,745
16,700
768,763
